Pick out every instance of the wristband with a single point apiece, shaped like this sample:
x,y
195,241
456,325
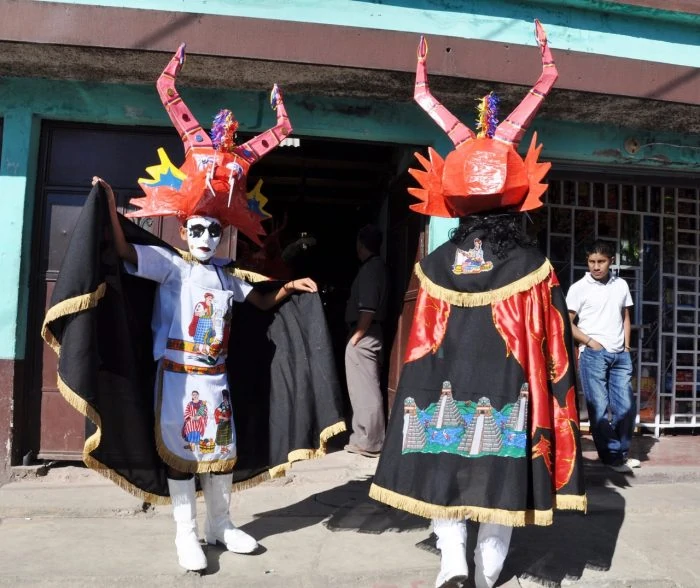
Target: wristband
x,y
589,340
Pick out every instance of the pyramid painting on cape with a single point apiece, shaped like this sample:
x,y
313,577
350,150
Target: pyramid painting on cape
x,y
466,428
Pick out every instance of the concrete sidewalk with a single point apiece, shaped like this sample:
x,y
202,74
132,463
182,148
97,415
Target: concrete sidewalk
x,y
74,528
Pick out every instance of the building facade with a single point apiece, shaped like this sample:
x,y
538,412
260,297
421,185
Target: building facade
x,y
622,128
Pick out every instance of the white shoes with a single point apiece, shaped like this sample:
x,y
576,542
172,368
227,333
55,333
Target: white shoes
x,y
189,551
626,466
218,527
453,566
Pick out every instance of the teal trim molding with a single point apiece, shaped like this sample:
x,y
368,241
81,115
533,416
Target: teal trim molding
x,y
589,26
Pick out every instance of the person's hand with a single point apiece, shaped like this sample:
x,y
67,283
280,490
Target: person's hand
x,y
301,285
111,201
355,339
594,345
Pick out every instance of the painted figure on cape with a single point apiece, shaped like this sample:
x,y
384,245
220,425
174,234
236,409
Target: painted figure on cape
x,y
207,194
224,425
487,384
195,424
471,261
201,326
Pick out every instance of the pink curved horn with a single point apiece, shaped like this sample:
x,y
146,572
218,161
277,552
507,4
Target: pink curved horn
x,y
182,118
264,142
456,131
512,129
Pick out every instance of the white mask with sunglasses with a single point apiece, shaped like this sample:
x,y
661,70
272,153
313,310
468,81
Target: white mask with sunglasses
x,y
203,236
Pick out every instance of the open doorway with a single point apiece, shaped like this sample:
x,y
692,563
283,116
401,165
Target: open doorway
x,y
320,192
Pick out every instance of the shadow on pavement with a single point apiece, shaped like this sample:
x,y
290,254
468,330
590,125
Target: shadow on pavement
x,y
548,555
344,508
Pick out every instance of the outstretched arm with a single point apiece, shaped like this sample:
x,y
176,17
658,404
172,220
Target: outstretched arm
x,y
267,141
267,301
456,131
125,250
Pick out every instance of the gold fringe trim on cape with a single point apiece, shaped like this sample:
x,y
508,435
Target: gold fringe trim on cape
x,y
93,442
90,300
66,307
281,470
571,502
471,299
247,275
509,518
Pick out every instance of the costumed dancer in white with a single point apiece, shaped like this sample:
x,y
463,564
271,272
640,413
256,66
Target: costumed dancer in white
x,y
185,375
195,433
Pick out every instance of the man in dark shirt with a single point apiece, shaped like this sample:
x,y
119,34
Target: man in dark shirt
x,y
365,312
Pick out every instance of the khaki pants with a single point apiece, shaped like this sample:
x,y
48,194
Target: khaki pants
x,y
363,368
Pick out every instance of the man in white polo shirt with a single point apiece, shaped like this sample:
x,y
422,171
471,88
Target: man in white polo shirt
x,y
601,302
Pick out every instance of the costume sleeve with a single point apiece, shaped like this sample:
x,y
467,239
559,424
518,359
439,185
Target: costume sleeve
x,y
240,288
370,286
154,263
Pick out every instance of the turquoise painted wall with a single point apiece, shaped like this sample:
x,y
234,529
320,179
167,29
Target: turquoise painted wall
x,y
25,102
589,26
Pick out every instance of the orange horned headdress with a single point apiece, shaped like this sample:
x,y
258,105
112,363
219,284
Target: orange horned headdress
x,y
484,172
212,180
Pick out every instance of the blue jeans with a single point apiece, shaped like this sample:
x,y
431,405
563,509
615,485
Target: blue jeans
x,y
607,384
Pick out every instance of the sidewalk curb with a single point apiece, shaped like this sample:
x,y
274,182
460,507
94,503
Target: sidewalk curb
x,y
599,475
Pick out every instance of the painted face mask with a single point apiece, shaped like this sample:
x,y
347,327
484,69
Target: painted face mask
x,y
203,237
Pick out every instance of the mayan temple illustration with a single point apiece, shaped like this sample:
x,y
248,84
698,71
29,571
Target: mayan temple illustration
x,y
483,434
446,413
413,431
518,416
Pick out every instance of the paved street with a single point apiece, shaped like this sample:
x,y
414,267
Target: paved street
x,y
318,528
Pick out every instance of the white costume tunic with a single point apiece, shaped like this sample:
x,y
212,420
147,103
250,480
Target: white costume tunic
x,y
191,322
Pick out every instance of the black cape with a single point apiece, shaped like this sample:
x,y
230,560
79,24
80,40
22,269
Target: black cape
x,y
99,324
485,423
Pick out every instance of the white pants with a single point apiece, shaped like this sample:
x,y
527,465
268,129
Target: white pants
x,y
491,547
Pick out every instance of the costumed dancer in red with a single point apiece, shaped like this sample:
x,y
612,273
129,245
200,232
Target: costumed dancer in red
x,y
193,308
485,424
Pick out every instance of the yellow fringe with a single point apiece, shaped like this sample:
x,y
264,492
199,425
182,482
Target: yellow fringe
x,y
247,275
93,442
571,502
90,300
279,471
471,299
329,432
509,518
66,307
251,482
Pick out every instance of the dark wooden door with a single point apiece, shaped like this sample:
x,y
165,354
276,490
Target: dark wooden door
x,y
70,155
407,244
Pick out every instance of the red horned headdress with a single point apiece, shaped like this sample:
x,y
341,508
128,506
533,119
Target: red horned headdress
x,y
484,172
212,180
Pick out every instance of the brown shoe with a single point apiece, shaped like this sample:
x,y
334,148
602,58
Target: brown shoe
x,y
358,450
